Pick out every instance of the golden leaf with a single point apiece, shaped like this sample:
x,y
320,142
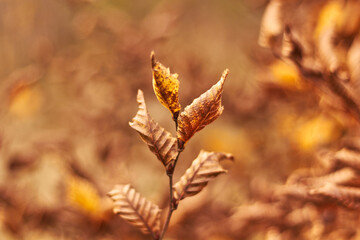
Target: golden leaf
x,y
201,112
205,167
159,141
136,210
25,101
166,86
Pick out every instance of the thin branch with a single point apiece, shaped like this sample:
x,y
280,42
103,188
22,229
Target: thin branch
x,y
171,210
172,206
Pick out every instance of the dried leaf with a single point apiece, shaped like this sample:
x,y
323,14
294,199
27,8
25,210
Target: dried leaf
x,y
353,59
136,210
271,24
348,157
159,141
291,47
257,212
166,87
346,196
201,112
205,167
340,177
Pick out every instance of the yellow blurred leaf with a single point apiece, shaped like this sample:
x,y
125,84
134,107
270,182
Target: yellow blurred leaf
x,y
315,132
286,75
329,15
166,87
25,101
309,132
83,195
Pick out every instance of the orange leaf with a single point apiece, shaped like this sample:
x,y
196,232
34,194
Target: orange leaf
x,y
201,112
205,167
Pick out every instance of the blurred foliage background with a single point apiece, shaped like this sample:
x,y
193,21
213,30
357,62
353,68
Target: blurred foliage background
x,y
70,70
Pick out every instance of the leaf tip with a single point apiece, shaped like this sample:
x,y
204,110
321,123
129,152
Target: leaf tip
x,y
152,58
225,74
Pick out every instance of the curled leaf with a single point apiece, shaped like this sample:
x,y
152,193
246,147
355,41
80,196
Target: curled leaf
x,y
166,87
135,209
201,112
205,167
159,141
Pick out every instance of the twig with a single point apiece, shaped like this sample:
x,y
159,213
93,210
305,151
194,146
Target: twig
x,y
172,206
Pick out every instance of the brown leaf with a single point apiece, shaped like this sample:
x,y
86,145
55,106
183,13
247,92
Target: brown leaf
x,y
136,210
166,87
340,177
201,112
346,196
205,167
347,157
255,213
159,141
272,23
291,47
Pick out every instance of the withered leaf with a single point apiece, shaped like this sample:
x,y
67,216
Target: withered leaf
x,y
272,23
346,196
166,86
205,167
201,112
159,141
136,210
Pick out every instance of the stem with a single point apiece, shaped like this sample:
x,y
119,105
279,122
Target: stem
x,y
172,207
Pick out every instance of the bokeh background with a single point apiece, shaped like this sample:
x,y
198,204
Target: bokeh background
x,y
69,74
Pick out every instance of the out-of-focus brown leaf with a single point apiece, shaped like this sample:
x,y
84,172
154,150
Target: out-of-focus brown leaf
x,y
201,112
353,59
346,196
291,48
348,157
205,167
271,24
157,138
166,87
342,176
136,210
256,213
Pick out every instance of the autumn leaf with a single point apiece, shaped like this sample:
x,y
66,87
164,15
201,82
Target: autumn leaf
x,y
83,195
272,23
166,86
347,196
136,210
201,112
159,141
205,167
